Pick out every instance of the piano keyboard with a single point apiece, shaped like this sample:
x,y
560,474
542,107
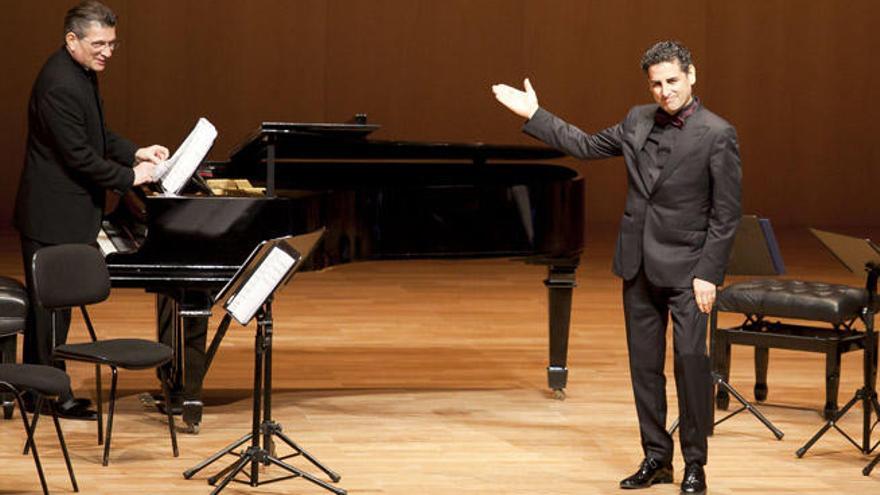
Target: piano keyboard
x,y
112,239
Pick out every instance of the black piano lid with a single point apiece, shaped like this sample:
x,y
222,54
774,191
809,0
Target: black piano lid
x,y
348,141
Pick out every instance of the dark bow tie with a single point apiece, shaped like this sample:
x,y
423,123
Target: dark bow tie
x,y
663,119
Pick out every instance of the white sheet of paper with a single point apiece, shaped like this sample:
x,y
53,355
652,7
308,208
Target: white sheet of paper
x,y
176,171
105,244
261,283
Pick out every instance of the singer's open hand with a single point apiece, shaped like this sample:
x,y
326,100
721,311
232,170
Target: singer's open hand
x,y
522,103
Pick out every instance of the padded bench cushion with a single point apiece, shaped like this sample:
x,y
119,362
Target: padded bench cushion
x,y
817,301
13,306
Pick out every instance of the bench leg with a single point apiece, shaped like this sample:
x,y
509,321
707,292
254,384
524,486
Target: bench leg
x,y
762,362
832,382
832,377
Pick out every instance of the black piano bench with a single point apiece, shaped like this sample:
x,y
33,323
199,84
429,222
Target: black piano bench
x,y
839,306
13,312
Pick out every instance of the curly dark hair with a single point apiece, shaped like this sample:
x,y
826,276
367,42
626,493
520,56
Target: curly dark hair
x,y
667,51
79,18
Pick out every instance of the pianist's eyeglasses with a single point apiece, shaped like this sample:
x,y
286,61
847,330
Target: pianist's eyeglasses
x,y
99,46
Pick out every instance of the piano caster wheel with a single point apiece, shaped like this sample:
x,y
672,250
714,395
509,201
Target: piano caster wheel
x,y
722,400
7,410
559,394
192,415
192,429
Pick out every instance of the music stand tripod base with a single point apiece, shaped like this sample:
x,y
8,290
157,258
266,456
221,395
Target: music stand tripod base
x,y
719,381
249,293
855,253
746,406
261,451
871,465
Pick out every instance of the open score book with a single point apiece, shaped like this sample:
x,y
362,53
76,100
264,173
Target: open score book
x,y
174,173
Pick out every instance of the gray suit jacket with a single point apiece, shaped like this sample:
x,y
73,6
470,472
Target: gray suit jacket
x,y
684,226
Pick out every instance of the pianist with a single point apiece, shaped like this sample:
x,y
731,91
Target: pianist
x,y
682,210
71,159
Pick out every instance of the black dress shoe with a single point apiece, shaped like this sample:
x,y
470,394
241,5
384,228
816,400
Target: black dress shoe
x,y
82,402
76,409
650,473
694,481
29,402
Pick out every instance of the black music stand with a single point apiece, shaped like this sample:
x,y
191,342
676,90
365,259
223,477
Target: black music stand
x,y
857,255
249,293
754,252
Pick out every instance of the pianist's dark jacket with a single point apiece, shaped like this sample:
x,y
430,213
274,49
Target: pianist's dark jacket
x,y
71,157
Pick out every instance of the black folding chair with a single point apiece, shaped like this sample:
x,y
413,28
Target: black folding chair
x,y
43,382
72,275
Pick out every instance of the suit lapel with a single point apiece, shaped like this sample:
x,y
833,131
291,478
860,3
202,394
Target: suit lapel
x,y
643,126
691,134
640,135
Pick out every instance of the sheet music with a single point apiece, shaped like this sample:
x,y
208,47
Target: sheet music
x,y
176,171
261,283
105,244
772,246
755,251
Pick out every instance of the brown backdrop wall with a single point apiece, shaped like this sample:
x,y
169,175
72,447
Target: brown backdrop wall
x,y
794,77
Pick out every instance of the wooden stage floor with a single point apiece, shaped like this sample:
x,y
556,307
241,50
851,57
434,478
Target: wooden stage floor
x,y
428,377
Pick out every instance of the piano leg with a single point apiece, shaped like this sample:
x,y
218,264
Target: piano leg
x,y
560,282
184,327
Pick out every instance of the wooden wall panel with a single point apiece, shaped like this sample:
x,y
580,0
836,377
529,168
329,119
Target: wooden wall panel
x,y
235,63
423,69
794,77
798,88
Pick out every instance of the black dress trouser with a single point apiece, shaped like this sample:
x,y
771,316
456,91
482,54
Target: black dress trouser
x,y
647,309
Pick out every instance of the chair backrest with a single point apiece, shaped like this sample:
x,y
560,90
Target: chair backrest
x,y
70,275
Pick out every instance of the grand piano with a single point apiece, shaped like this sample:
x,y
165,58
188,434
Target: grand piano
x,y
378,200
